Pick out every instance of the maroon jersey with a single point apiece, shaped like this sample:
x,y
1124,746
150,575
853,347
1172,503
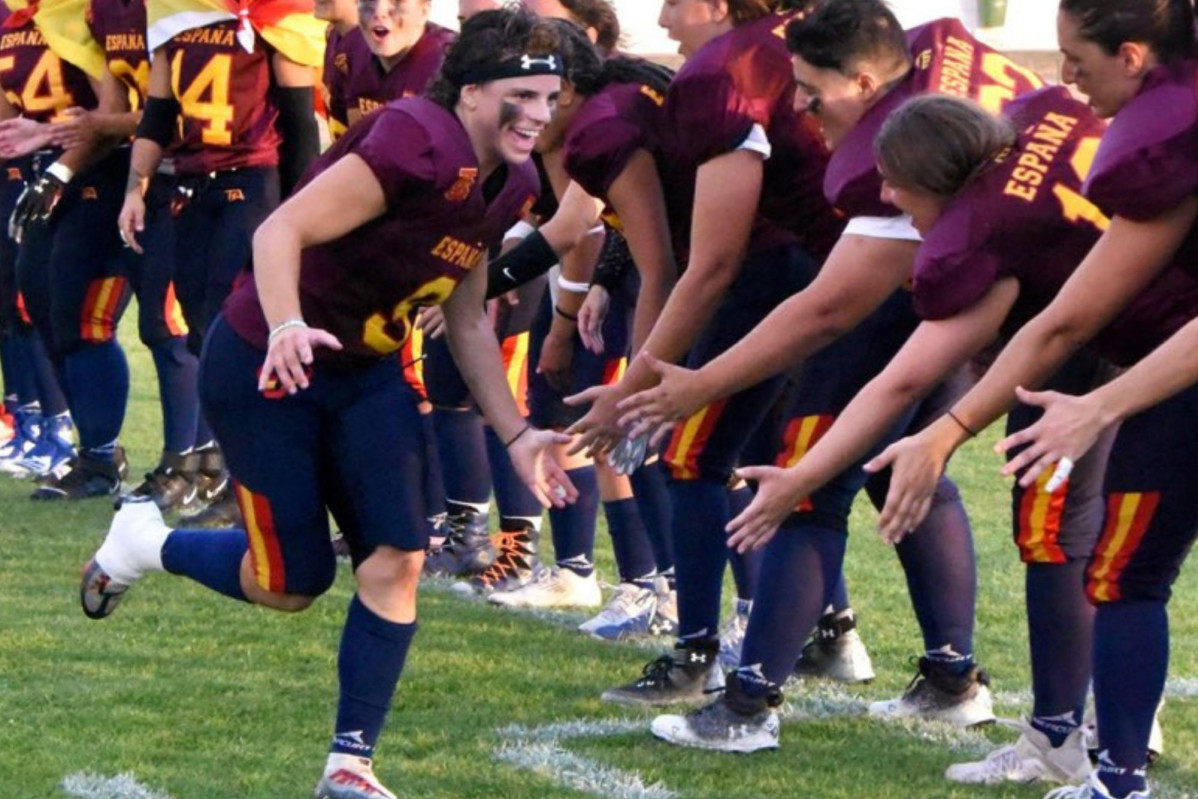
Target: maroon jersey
x,y
946,60
120,28
741,79
1148,161
335,76
370,86
1026,218
38,83
367,286
609,128
227,109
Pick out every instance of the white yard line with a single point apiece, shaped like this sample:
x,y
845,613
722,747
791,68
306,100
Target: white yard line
x,y
86,785
539,749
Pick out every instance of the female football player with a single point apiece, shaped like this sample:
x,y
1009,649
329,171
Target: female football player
x,y
728,108
854,65
300,380
1136,63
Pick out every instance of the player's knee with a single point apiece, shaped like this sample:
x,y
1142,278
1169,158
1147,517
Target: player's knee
x,y
387,566
286,603
946,492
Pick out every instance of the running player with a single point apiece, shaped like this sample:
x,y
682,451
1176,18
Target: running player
x,y
328,399
1136,63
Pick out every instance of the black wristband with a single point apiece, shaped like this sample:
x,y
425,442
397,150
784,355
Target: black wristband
x,y
529,260
159,120
301,138
557,309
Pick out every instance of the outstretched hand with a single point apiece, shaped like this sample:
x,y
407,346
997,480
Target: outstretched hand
x,y
680,394
1063,434
598,431
532,458
916,466
776,498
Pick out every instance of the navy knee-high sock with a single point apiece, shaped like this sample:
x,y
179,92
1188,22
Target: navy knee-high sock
x,y
1131,658
371,658
573,527
941,574
49,390
462,444
97,378
634,558
700,553
177,368
512,497
210,557
799,565
653,499
1060,623
432,476
745,567
838,595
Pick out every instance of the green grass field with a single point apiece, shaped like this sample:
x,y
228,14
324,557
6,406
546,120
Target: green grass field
x,y
192,697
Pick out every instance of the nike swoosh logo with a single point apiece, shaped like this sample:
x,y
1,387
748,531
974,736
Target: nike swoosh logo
x,y
508,274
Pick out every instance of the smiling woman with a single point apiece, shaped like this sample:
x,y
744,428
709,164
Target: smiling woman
x,y
300,368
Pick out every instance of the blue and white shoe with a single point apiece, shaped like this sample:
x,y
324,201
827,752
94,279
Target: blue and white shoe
x,y
53,448
627,613
1091,789
28,428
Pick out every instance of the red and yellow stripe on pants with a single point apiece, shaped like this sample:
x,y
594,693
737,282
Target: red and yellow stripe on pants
x,y
613,370
97,321
688,440
1038,526
266,557
1128,517
515,365
411,359
801,435
172,312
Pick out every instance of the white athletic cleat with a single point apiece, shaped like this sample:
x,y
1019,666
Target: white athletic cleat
x,y
736,722
627,613
556,588
350,777
1031,758
732,634
132,549
936,694
836,652
1091,789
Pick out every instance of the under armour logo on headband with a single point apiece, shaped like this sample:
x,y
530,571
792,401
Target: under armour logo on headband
x,y
516,67
548,62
